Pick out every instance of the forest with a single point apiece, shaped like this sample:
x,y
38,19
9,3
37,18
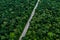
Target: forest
x,y
45,24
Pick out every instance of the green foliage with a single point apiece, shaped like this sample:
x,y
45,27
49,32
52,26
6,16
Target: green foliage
x,y
13,17
12,35
50,34
45,25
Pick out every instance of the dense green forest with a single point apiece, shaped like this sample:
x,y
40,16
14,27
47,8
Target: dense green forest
x,y
13,17
45,24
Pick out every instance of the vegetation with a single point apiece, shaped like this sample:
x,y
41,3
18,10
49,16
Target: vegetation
x,y
13,17
45,25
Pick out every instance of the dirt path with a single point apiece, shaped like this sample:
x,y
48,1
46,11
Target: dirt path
x,y
28,22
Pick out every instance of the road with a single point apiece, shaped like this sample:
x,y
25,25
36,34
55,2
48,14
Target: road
x,y
28,22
